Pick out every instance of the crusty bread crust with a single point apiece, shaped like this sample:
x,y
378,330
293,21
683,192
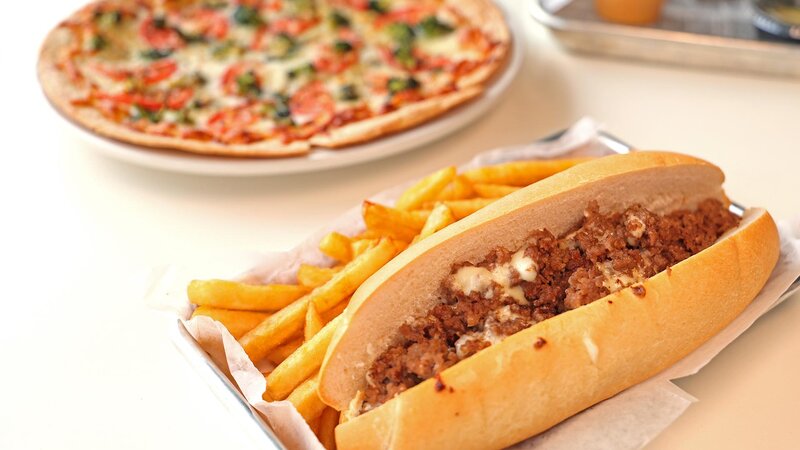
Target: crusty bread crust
x,y
59,89
512,390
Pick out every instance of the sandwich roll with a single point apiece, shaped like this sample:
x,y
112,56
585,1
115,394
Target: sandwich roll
x,y
544,303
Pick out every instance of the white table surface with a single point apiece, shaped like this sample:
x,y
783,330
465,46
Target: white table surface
x,y
86,365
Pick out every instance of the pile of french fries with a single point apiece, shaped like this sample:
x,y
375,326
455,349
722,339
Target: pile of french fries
x,y
291,326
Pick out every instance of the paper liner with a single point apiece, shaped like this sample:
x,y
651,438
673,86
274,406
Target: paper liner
x,y
628,420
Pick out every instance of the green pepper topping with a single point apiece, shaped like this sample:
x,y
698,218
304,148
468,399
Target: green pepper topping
x,y
247,15
433,27
379,6
140,113
342,47
305,69
247,84
401,33
396,85
338,20
184,116
226,49
98,43
215,4
107,18
282,46
190,38
155,53
348,93
404,55
302,7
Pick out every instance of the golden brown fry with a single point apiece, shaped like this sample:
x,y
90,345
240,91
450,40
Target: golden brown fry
x,y
392,222
281,352
344,283
237,322
249,297
494,190
369,235
306,400
277,328
458,189
313,322
520,173
314,424
440,217
334,312
327,424
463,208
274,330
337,246
302,363
426,189
361,245
312,276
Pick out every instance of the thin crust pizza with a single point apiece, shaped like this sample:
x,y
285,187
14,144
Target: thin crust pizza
x,y
268,78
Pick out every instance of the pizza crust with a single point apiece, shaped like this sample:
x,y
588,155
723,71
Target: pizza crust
x,y
490,20
400,119
60,90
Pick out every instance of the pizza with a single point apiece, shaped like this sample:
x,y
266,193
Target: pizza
x,y
268,78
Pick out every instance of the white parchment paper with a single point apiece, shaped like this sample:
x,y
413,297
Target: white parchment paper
x,y
628,420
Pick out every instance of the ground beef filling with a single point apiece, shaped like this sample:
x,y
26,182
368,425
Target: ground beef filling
x,y
509,291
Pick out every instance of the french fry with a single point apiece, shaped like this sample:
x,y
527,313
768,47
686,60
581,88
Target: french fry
x,y
249,297
458,189
494,190
426,189
520,173
337,246
312,276
277,328
281,352
274,330
392,222
237,322
306,400
334,312
327,424
344,283
302,363
440,217
463,208
314,424
313,322
373,235
359,246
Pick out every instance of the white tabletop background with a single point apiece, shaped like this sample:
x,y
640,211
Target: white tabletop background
x,y
86,365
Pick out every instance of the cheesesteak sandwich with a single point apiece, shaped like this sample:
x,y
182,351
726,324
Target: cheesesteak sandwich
x,y
544,303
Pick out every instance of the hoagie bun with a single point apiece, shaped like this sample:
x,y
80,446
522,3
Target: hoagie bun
x,y
537,377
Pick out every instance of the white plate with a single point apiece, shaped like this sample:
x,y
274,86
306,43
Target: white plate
x,y
321,159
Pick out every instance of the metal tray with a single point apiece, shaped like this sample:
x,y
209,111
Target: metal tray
x,y
248,417
703,33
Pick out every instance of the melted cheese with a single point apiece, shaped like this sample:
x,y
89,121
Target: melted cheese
x,y
614,280
525,266
469,279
